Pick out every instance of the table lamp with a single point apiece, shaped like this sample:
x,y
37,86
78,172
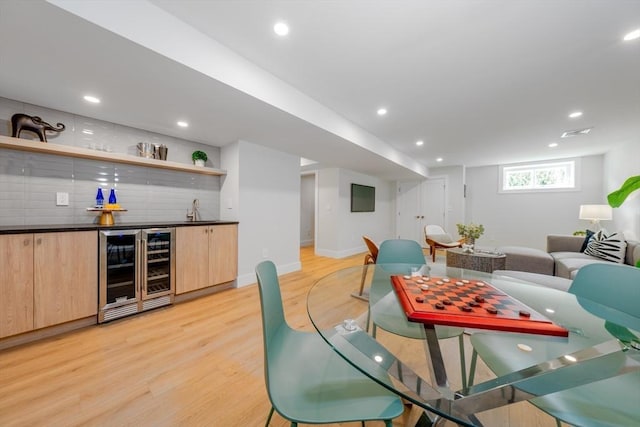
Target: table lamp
x,y
595,214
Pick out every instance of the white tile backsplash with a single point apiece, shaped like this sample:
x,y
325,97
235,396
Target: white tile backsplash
x,y
29,181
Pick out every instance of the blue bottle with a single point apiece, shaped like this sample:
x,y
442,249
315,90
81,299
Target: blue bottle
x,y
112,197
99,198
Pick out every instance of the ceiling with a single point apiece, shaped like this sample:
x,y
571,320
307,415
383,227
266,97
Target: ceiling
x,y
480,82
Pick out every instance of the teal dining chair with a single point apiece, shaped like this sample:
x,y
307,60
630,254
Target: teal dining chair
x,y
398,256
307,381
611,292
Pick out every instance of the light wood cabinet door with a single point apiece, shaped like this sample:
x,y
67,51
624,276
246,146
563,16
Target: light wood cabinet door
x,y
65,277
16,284
192,258
223,253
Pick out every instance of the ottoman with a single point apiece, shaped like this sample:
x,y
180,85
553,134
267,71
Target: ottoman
x,y
528,259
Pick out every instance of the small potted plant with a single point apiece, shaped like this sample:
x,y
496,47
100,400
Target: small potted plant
x,y
199,157
470,232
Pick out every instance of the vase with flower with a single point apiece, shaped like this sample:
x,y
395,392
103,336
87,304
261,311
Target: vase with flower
x,y
470,232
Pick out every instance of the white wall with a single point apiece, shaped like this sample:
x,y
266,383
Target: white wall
x,y
620,163
525,219
340,231
268,207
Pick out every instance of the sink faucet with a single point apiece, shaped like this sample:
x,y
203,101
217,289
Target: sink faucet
x,y
193,215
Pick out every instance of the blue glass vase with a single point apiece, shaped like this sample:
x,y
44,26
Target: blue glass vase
x,y
112,197
99,198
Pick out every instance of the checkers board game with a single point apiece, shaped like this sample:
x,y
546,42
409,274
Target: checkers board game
x,y
468,303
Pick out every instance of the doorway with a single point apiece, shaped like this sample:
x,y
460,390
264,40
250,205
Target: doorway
x,y
420,203
307,209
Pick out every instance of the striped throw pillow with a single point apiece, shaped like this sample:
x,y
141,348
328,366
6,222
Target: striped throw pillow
x,y
608,247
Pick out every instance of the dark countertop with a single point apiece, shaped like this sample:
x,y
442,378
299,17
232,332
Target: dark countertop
x,y
18,229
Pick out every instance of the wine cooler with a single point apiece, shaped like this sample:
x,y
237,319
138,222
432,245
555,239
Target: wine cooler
x,y
137,271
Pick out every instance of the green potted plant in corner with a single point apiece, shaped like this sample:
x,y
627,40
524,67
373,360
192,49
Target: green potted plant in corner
x,y
199,157
616,198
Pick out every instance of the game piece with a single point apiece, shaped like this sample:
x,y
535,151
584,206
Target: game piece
x,y
465,281
447,303
424,287
459,284
524,347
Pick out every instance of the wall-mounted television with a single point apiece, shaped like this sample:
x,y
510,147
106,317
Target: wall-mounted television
x,y
363,198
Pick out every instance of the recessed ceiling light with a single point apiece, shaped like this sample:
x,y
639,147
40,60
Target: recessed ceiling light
x,y
439,159
632,35
575,114
553,145
182,124
419,143
92,99
87,131
281,29
382,111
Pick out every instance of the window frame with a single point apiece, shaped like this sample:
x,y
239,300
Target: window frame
x,y
570,163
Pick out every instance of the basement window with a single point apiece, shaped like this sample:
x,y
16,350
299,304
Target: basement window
x,y
542,176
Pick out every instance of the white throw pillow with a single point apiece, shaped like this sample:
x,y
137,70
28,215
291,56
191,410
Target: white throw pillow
x,y
608,247
441,238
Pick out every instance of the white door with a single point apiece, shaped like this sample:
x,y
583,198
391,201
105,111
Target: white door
x,y
408,210
420,203
434,202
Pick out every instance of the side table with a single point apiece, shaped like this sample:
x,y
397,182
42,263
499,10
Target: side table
x,y
478,261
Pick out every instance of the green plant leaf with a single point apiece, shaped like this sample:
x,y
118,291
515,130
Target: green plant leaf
x,y
617,197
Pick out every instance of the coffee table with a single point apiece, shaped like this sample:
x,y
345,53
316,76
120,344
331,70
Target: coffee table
x,y
478,260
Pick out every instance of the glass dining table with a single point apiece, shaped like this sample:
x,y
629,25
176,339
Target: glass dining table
x,y
527,366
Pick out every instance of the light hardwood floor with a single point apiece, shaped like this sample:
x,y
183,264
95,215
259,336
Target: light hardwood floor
x,y
197,363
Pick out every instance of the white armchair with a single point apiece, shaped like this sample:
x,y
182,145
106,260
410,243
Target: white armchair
x,y
437,238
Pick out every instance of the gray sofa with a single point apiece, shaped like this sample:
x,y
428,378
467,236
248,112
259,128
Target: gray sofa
x,y
568,259
562,258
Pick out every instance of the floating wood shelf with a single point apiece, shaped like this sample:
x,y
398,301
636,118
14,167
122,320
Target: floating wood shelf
x,y
86,153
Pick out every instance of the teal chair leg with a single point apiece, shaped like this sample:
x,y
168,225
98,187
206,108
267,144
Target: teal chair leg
x,y
558,423
472,369
463,364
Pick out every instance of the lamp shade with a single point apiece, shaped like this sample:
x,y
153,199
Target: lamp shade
x,y
595,212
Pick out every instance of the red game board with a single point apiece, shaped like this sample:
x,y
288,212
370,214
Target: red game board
x,y
468,303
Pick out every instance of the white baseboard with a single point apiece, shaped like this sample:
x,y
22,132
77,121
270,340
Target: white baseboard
x,y
250,278
341,254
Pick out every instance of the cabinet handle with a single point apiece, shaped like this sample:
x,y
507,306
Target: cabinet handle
x,y
26,242
39,241
206,231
